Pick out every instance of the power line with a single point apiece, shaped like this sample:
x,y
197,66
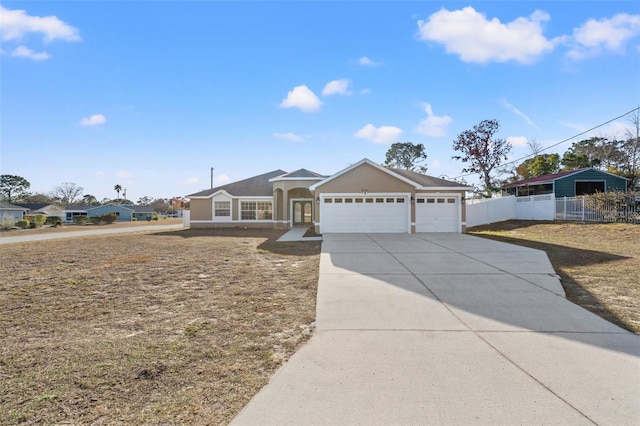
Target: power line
x,y
561,142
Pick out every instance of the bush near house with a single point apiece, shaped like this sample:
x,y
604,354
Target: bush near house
x,y
36,221
108,218
24,224
80,220
53,220
95,220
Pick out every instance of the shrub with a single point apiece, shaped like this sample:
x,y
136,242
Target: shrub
x,y
109,218
135,219
155,215
80,220
23,223
53,220
95,220
36,221
7,222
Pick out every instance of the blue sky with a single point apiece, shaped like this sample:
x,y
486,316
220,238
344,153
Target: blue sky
x,y
152,94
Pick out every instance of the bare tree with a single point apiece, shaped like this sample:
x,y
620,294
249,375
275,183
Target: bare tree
x,y
67,193
481,151
534,146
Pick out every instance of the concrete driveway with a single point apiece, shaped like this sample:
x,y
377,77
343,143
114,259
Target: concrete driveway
x,y
449,329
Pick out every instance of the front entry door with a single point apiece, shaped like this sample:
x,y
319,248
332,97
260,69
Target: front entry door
x,y
302,213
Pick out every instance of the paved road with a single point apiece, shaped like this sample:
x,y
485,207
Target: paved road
x,y
71,234
449,329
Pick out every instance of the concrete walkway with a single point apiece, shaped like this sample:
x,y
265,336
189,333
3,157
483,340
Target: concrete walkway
x,y
297,234
71,234
449,329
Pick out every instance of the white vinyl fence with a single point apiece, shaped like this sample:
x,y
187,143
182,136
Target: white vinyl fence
x,y
599,208
186,218
490,210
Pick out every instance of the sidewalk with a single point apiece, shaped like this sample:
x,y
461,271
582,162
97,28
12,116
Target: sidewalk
x,y
449,329
57,235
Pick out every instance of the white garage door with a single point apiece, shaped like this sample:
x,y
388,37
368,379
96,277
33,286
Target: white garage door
x,y
382,213
437,214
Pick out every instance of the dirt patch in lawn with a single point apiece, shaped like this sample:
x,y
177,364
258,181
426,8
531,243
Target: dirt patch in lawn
x,y
71,227
179,327
598,263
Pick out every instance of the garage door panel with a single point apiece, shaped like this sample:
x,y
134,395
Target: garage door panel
x,y
437,214
370,214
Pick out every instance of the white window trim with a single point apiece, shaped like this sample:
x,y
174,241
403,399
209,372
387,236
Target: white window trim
x,y
255,200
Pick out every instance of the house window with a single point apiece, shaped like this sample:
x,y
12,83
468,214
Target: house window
x,y
222,208
256,210
328,200
399,200
589,187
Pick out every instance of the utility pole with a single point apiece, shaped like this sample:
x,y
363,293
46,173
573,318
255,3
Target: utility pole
x,y
212,169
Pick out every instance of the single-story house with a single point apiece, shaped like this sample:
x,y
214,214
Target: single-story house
x,y
43,208
365,197
74,210
570,183
11,212
125,212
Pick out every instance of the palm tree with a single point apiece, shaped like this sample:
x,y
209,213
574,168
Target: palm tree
x,y
118,188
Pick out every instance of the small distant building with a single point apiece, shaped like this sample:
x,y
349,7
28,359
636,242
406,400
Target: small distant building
x,y
124,212
11,212
74,210
43,208
569,183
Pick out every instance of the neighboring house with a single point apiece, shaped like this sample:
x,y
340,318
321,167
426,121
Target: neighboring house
x,y
11,212
364,197
569,184
43,208
125,212
74,210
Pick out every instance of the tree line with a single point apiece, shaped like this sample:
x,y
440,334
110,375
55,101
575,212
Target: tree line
x,y
15,190
484,154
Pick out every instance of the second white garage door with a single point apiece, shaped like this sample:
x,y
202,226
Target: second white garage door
x,y
438,214
381,213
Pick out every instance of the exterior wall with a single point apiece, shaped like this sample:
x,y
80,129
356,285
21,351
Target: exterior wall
x,y
565,187
201,209
283,192
124,214
357,181
12,215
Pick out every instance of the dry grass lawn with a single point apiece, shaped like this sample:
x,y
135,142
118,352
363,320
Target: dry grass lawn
x,y
599,263
178,327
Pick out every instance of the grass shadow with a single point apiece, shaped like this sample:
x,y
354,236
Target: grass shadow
x,y
271,244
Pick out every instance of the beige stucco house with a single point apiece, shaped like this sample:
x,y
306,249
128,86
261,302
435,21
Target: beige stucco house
x,y
365,197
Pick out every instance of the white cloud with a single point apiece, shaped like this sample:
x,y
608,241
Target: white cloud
x,y
302,97
517,141
222,179
99,174
475,38
366,62
365,91
192,180
14,24
25,52
336,87
289,136
608,34
123,174
518,112
435,164
380,135
94,120
433,125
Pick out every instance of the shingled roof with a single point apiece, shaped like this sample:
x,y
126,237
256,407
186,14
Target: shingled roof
x,y
252,187
301,173
426,180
